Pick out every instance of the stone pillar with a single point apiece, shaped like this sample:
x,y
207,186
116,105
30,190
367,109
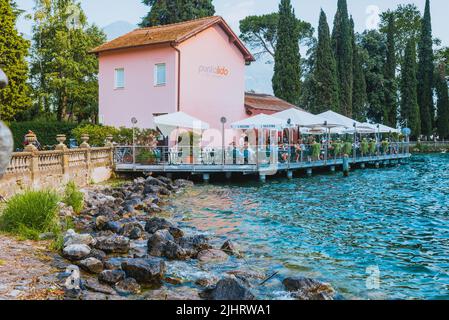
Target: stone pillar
x,y
290,174
262,178
110,144
84,139
309,172
362,166
346,167
206,177
85,145
61,138
332,168
30,139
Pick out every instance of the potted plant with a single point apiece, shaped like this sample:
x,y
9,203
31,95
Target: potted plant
x,y
385,146
336,146
372,147
364,147
146,156
347,148
316,150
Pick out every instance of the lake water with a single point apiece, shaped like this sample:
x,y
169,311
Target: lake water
x,y
379,234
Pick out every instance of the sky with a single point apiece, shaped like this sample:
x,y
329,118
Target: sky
x,y
364,12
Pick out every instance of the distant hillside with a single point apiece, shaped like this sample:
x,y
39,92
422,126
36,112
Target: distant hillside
x,y
117,29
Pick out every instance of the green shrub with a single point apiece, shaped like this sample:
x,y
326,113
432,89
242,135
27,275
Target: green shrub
x,y
372,147
347,148
316,150
364,146
337,148
97,133
46,131
385,146
30,214
73,197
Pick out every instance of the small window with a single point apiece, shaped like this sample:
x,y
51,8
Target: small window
x,y
120,78
160,74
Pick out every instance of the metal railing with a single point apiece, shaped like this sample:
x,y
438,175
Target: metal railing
x,y
254,155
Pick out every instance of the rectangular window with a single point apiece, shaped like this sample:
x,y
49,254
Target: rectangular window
x,y
160,76
119,78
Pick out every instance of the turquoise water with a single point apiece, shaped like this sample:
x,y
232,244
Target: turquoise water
x,y
394,220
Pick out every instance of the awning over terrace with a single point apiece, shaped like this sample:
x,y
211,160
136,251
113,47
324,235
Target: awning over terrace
x,y
350,125
304,119
180,120
261,121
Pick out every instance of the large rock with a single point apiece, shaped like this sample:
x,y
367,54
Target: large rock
x,y
229,289
127,287
145,271
156,224
181,183
231,249
91,265
75,252
212,256
113,244
158,241
132,230
111,276
100,222
309,289
71,237
194,244
95,286
173,251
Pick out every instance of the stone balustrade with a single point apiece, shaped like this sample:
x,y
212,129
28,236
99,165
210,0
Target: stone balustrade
x,y
53,169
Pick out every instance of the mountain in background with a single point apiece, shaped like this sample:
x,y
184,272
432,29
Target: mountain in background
x,y
117,29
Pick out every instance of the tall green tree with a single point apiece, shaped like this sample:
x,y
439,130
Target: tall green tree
x,y
425,73
15,98
407,25
63,73
260,33
410,115
359,97
442,122
287,70
391,91
373,56
341,41
172,11
325,71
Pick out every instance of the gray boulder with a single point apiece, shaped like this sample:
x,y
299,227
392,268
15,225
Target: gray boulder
x,y
145,271
194,244
181,183
228,289
212,256
91,265
75,252
113,244
132,230
309,289
127,287
156,224
158,241
111,277
71,237
231,249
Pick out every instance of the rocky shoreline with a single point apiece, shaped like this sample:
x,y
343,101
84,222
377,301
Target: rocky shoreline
x,y
123,247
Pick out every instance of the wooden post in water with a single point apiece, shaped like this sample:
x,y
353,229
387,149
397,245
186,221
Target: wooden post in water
x,y
346,165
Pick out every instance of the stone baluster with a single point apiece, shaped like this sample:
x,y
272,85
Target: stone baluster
x,y
61,138
109,144
85,140
85,145
30,139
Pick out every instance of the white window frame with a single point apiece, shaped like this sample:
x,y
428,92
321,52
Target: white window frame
x,y
116,84
155,75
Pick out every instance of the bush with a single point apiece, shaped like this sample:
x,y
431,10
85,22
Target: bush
x,y
46,131
316,150
97,133
73,197
30,214
372,147
337,148
347,148
364,146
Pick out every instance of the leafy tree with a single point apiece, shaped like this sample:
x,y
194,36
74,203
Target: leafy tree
x,y
15,98
287,70
410,116
63,72
171,11
359,97
425,73
374,51
325,71
260,33
341,41
407,25
442,122
391,92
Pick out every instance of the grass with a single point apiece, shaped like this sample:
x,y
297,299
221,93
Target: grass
x,y
73,197
29,214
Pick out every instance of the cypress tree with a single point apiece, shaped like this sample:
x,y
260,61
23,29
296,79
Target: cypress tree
x,y
171,11
442,102
287,71
14,99
341,41
410,115
325,71
391,105
359,96
425,74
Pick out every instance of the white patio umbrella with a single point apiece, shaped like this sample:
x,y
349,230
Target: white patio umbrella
x,y
299,118
261,121
385,129
348,123
179,120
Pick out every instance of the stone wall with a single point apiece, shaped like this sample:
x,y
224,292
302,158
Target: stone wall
x,y
35,169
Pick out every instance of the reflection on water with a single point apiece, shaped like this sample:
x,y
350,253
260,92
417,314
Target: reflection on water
x,y
334,228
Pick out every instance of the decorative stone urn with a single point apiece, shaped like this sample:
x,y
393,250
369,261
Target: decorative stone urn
x,y
108,140
84,139
30,139
61,138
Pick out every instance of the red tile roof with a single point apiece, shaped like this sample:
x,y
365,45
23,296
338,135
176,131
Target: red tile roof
x,y
172,34
265,102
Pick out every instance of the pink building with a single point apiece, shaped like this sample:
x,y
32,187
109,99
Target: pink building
x,y
197,67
